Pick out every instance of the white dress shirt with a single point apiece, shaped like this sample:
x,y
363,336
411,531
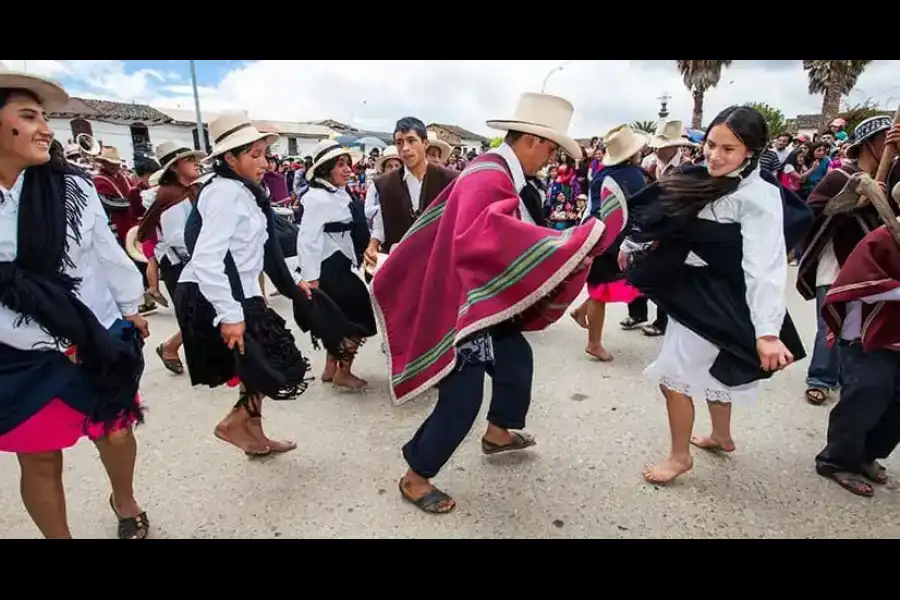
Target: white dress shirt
x,y
852,327
111,284
373,202
321,206
233,222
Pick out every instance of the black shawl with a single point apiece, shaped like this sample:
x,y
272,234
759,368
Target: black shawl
x,y
36,286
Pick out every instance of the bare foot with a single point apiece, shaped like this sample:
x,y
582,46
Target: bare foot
x,y
669,470
254,425
713,444
237,434
580,316
598,353
330,370
348,380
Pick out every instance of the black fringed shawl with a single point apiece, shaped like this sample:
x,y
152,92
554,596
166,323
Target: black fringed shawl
x,y
37,287
319,316
710,301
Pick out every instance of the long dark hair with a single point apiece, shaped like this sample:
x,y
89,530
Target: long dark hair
x,y
686,194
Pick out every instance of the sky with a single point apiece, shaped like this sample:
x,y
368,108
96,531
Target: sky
x,y
372,95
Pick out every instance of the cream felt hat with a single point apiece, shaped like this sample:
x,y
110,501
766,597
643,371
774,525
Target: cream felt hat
x,y
169,153
389,153
233,130
109,154
622,143
544,116
670,134
328,149
444,147
51,94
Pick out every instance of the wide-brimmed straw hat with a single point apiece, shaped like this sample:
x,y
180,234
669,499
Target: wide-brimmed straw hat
x,y
51,94
670,134
169,153
865,131
109,154
544,116
444,147
133,246
233,130
389,153
622,143
328,149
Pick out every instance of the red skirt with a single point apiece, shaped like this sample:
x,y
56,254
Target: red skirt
x,y
55,427
614,291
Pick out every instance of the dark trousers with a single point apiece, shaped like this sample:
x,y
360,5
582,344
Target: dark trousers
x,y
459,399
865,423
637,310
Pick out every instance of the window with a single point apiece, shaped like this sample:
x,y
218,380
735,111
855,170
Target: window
x,y
80,126
292,146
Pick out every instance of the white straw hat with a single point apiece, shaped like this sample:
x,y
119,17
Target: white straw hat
x,y
670,134
389,153
444,147
51,94
233,130
544,116
169,153
328,149
622,143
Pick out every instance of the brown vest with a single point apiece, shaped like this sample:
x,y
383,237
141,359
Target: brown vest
x,y
397,209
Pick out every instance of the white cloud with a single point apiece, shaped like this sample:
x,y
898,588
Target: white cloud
x,y
374,94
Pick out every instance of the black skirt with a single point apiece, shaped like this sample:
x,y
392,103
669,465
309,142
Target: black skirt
x,y
271,365
170,274
348,291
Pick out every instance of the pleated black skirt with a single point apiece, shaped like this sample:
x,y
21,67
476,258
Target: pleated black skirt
x,y
349,292
271,365
170,273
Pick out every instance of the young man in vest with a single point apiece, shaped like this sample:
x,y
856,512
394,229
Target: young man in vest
x,y
402,195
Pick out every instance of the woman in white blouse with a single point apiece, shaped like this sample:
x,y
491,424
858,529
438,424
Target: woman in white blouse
x,y
230,335
330,241
711,250
71,337
165,221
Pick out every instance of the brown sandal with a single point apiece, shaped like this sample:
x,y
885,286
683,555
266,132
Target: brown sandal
x,y
816,396
520,441
131,528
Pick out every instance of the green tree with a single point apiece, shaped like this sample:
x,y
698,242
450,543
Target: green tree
x,y
833,79
495,142
857,113
645,126
774,118
700,76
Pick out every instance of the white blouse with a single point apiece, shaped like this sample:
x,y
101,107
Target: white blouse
x,y
233,222
313,244
111,284
170,233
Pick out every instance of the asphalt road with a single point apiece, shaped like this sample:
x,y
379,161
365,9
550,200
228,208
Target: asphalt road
x,y
597,425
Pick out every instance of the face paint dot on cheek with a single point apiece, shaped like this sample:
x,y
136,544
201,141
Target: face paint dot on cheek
x,y
15,131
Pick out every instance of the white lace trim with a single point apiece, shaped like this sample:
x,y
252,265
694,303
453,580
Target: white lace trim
x,y
708,394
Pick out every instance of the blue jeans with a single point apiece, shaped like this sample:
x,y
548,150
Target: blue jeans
x,y
825,365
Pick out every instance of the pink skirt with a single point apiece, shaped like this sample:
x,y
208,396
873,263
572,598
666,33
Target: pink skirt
x,y
55,427
614,291
149,249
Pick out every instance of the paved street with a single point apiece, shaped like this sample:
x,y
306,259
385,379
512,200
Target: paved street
x,y
597,426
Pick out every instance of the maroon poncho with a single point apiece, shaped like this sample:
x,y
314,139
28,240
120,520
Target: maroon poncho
x,y
872,268
470,262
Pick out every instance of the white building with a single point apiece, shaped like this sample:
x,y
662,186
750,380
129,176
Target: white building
x,y
458,137
125,126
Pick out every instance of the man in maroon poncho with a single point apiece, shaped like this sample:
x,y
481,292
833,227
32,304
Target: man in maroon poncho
x,y
473,272
862,312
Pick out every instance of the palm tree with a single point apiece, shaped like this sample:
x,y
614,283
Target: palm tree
x,y
834,79
645,126
699,76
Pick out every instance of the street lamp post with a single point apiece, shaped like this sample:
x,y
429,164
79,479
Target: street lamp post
x,y
555,69
202,142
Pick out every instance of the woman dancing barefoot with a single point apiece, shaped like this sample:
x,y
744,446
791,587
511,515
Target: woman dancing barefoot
x,y
710,249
